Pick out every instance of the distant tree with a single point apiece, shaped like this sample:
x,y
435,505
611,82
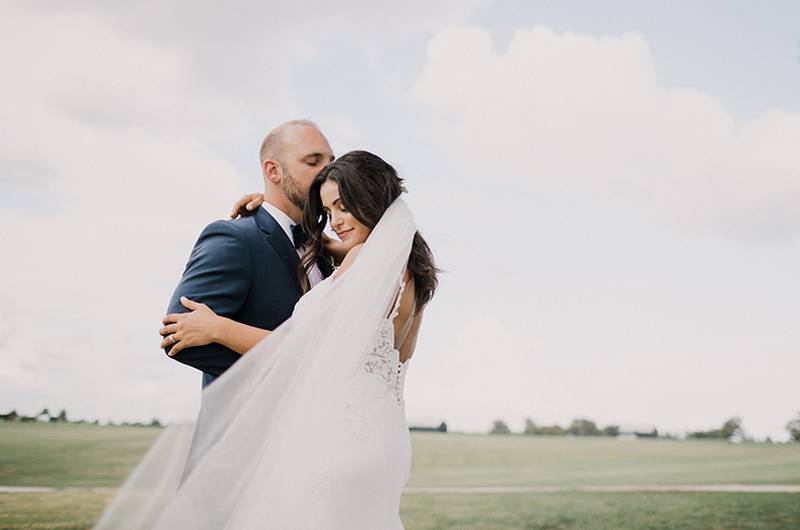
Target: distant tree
x,y
583,427
500,427
731,427
794,428
62,416
44,412
611,430
441,428
155,423
551,430
716,433
530,427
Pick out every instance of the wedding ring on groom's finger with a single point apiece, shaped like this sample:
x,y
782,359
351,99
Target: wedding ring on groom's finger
x,y
172,339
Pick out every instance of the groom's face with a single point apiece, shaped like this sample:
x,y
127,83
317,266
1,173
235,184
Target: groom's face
x,y
306,152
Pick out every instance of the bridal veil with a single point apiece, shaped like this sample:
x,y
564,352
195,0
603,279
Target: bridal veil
x,y
263,425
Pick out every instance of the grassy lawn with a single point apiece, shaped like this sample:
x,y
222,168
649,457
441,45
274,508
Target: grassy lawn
x,y
99,458
518,460
53,454
603,511
551,511
60,510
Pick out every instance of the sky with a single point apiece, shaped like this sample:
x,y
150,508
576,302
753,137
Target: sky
x,y
611,190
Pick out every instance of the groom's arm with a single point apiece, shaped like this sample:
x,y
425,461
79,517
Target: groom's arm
x,y
218,274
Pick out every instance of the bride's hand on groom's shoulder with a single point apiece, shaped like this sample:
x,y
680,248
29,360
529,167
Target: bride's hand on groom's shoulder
x,y
334,248
247,205
198,327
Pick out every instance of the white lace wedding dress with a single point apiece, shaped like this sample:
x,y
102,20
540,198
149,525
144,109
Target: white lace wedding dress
x,y
308,429
360,478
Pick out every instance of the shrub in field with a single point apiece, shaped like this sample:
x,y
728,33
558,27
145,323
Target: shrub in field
x,y
729,429
794,428
583,427
500,427
550,430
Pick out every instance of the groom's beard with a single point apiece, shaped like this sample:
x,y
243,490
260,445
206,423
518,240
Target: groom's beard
x,y
292,190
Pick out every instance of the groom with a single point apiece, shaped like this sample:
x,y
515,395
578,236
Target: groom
x,y
247,269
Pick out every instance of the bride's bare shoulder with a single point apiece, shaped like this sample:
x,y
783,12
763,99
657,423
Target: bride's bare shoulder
x,y
348,260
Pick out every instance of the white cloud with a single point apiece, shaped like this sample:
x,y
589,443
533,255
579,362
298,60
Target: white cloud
x,y
123,131
577,111
486,372
125,128
568,155
105,186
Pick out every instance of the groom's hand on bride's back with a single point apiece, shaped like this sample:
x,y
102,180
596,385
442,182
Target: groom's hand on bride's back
x,y
247,205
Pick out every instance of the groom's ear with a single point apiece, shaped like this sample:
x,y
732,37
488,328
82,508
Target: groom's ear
x,y
272,171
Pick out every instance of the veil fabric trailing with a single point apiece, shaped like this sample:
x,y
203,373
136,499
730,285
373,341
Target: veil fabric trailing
x,y
265,423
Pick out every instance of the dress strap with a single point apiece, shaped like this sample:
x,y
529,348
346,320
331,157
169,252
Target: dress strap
x,y
396,308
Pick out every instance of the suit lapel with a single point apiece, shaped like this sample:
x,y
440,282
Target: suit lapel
x,y
280,242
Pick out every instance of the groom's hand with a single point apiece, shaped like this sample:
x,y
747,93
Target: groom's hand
x,y
247,205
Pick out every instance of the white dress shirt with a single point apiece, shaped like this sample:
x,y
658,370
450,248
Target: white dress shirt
x,y
286,223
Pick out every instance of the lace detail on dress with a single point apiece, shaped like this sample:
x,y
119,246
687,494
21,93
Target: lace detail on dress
x,y
354,419
320,485
384,359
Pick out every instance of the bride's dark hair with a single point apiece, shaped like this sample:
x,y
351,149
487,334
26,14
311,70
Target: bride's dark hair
x,y
367,186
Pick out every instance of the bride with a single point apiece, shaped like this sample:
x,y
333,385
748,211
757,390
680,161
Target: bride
x,y
308,429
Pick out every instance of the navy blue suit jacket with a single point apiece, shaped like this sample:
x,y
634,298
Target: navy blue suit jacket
x,y
246,270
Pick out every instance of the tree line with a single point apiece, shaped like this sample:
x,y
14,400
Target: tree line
x,y
578,427
46,417
729,430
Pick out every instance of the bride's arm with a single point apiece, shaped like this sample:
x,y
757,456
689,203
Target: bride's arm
x,y
237,336
247,205
347,261
202,326
408,320
334,248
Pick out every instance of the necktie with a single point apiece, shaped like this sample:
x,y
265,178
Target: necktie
x,y
299,235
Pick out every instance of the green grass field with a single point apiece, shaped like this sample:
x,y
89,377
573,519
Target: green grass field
x,y
518,460
96,459
52,454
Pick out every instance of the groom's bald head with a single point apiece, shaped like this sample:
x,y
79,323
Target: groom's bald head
x,y
274,144
292,155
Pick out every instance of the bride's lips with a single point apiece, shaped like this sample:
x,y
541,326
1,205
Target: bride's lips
x,y
342,233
